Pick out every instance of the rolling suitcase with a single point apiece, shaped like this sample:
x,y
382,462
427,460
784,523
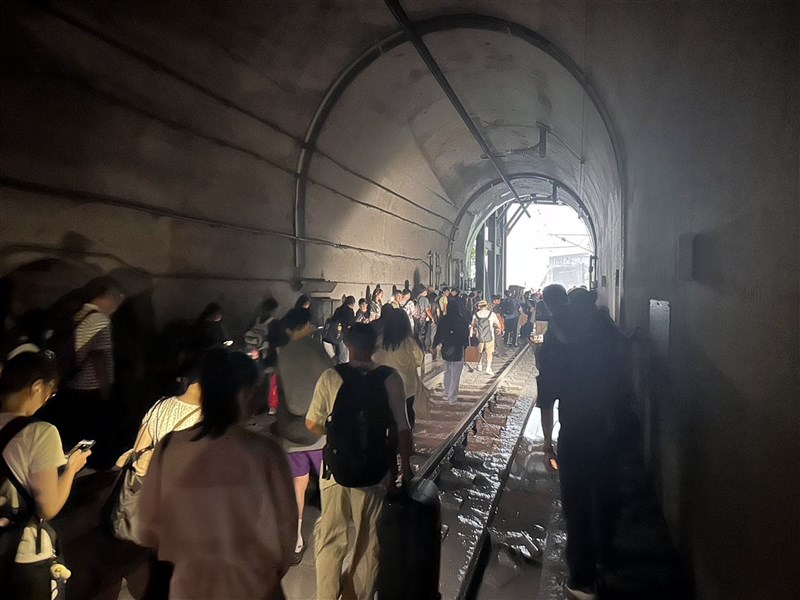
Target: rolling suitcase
x,y
472,354
409,532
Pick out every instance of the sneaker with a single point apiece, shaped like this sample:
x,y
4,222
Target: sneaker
x,y
273,411
585,592
479,368
297,556
489,372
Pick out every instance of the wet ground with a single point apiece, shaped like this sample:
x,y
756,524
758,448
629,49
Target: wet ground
x,y
469,482
502,523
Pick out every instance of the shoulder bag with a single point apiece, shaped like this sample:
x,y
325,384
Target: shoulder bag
x,y
120,512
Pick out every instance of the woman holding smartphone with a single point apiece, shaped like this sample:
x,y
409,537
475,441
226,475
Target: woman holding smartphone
x,y
30,457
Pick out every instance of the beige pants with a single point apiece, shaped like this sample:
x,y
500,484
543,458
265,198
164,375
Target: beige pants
x,y
486,349
341,507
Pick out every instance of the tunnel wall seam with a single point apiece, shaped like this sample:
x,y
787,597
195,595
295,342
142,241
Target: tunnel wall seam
x,y
76,196
228,103
448,22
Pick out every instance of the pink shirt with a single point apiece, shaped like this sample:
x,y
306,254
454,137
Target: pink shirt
x,y
223,511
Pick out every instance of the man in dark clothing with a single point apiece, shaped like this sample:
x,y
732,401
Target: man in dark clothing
x,y
453,335
584,363
510,307
345,318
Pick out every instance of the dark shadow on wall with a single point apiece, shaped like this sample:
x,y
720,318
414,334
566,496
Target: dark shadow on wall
x,y
723,259
740,487
44,291
44,274
135,335
728,492
646,553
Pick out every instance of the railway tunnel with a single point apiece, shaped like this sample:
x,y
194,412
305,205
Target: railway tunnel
x,y
218,151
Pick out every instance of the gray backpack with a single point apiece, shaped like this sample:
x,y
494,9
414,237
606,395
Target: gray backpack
x,y
484,331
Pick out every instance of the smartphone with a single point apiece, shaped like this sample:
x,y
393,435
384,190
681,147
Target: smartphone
x,y
83,446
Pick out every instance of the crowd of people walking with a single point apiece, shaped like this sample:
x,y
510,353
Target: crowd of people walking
x,y
214,479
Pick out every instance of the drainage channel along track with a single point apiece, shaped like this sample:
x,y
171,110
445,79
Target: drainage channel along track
x,y
466,449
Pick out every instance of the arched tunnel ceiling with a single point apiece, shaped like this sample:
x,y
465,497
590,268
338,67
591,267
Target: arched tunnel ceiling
x,y
395,122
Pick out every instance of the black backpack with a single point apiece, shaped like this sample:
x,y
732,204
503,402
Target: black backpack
x,y
14,516
362,434
332,332
62,343
507,306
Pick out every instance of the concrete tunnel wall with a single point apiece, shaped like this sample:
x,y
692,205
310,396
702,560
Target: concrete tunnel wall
x,y
164,141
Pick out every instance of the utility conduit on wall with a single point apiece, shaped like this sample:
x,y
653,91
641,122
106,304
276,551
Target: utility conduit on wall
x,y
173,124
228,103
78,196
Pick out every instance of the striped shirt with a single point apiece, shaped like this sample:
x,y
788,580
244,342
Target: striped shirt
x,y
93,334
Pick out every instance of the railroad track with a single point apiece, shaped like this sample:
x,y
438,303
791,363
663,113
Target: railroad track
x,y
466,449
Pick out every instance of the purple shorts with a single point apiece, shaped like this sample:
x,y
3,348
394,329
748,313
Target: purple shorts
x,y
302,463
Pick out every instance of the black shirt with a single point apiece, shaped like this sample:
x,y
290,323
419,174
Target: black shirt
x,y
453,334
587,370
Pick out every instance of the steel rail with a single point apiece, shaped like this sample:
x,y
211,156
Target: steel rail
x,y
472,566
429,470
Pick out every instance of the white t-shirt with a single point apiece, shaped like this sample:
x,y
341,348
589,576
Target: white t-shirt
x,y
494,322
406,359
164,415
36,448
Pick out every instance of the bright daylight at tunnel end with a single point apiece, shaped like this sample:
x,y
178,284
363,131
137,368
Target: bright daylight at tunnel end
x,y
399,299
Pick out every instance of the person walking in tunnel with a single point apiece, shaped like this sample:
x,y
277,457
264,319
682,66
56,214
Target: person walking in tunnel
x,y
363,314
342,319
486,327
398,349
510,308
31,456
584,363
444,295
376,304
256,338
359,506
218,501
410,307
303,301
497,309
209,330
300,365
453,336
422,315
169,414
262,341
86,361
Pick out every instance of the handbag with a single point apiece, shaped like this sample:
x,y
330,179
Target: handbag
x,y
472,354
120,512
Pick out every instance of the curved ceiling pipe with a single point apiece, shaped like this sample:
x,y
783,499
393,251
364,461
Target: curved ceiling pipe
x,y
443,23
425,54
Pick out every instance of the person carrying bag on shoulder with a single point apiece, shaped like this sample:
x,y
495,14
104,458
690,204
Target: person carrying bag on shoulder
x,y
32,491
167,415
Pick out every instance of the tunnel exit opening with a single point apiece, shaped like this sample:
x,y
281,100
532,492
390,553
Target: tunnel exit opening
x,y
444,123
550,242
